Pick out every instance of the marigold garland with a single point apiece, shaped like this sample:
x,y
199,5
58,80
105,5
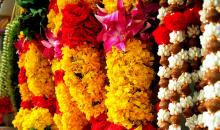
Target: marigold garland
x,y
130,75
38,72
85,78
71,118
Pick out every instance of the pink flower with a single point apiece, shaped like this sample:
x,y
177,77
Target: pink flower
x,y
118,27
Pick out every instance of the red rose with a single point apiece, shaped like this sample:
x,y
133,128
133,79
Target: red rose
x,y
74,14
175,21
79,25
161,35
22,78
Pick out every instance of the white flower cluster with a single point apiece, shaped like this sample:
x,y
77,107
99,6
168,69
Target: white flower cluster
x,y
212,91
193,31
211,61
163,93
178,59
177,36
164,50
164,72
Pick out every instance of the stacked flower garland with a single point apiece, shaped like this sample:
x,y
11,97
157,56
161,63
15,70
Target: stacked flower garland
x,y
129,64
180,53
36,87
210,109
35,76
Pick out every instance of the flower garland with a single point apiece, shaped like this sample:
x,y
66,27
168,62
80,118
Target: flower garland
x,y
209,117
71,117
127,60
176,62
130,76
84,78
37,102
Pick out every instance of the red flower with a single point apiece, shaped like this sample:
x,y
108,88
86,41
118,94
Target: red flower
x,y
74,14
49,53
40,101
5,105
175,21
115,127
149,127
22,78
22,46
26,104
58,76
161,35
53,6
157,107
79,25
99,123
192,16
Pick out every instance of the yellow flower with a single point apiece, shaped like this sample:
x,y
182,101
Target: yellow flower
x,y
57,120
130,75
54,21
85,78
111,5
26,94
20,117
39,118
62,3
38,72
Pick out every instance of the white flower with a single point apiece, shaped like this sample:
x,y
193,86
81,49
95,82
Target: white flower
x,y
191,122
163,93
193,31
174,127
212,29
178,2
163,50
177,36
203,14
186,102
164,72
194,52
211,61
162,12
163,115
175,108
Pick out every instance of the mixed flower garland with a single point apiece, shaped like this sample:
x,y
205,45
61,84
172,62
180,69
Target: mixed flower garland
x,y
180,53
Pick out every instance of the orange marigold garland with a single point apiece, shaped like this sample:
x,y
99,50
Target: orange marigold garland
x,y
85,78
71,117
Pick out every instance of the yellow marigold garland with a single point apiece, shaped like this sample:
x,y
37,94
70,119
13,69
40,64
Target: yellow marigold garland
x,y
26,94
38,72
72,118
130,75
111,5
37,118
85,78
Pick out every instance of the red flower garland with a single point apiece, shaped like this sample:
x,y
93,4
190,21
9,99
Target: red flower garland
x,y
175,21
53,6
26,104
161,35
192,15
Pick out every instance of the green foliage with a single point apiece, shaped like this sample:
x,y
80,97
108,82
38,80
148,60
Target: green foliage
x,y
8,66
